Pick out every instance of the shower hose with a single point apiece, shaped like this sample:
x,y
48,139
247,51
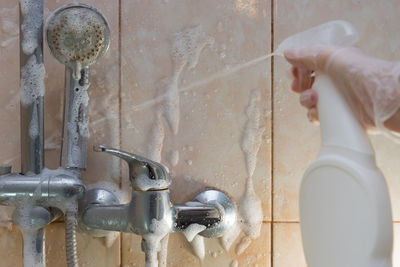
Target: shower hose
x,y
71,224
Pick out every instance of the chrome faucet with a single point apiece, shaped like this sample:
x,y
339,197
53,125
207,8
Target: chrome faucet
x,y
77,36
39,199
150,205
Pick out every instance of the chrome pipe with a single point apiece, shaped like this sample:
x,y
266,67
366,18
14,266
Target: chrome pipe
x,y
134,217
137,217
99,211
32,220
41,190
34,241
76,121
32,109
32,106
107,217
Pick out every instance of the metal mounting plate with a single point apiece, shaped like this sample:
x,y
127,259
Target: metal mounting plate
x,y
227,207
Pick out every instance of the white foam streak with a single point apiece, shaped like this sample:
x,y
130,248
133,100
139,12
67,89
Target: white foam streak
x,y
202,82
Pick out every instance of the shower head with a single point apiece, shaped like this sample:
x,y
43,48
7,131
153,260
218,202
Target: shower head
x,y
77,35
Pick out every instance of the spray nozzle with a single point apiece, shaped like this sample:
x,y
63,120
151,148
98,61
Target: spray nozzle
x,y
336,32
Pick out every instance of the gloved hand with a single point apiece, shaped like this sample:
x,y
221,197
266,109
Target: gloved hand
x,y
370,86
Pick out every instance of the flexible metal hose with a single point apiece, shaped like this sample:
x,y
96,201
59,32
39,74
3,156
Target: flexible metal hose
x,y
71,224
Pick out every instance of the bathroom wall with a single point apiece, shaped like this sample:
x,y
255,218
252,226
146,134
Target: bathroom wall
x,y
295,141
209,132
185,83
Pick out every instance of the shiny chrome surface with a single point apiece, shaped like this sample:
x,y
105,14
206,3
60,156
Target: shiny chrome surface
x,y
141,166
31,217
206,215
94,198
135,217
99,197
42,190
32,149
211,208
77,35
40,194
226,207
39,200
76,121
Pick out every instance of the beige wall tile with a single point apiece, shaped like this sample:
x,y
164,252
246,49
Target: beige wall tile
x,y
131,251
10,247
9,81
212,115
288,250
11,243
296,142
396,246
287,246
91,251
259,251
181,253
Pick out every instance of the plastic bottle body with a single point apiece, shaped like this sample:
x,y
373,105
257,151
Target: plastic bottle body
x,y
345,212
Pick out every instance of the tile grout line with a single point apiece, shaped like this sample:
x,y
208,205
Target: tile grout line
x,y
289,222
272,139
120,111
120,83
283,222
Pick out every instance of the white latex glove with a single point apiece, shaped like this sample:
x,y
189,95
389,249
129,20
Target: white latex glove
x,y
371,86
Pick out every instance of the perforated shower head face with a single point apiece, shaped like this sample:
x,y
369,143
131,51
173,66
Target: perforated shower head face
x,y
77,35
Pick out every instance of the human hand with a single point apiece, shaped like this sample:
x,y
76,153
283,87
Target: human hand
x,y
369,85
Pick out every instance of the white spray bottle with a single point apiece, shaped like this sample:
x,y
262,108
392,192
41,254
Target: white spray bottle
x,y
345,212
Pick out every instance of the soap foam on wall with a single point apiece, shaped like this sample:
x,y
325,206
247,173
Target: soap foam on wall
x,y
250,206
187,48
186,51
253,132
171,128
173,157
156,142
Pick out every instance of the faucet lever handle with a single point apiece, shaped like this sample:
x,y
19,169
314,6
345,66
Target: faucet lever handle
x,y
140,166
